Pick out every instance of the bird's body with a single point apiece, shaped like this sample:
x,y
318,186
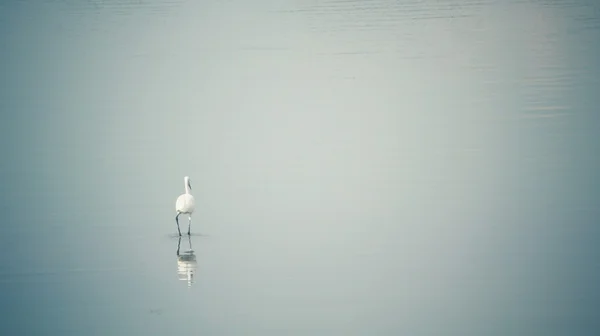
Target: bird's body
x,y
185,204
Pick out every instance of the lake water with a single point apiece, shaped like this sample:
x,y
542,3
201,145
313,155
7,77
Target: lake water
x,y
360,167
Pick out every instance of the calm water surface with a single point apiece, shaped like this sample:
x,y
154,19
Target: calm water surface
x,y
360,167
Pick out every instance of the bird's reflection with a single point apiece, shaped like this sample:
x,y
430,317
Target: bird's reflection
x,y
186,263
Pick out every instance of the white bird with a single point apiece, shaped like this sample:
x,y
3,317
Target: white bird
x,y
185,204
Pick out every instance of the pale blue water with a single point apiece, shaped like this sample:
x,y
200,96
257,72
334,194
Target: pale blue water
x,y
359,167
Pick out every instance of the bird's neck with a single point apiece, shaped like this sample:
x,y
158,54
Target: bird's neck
x,y
187,189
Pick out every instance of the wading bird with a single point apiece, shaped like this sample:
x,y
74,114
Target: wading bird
x,y
185,204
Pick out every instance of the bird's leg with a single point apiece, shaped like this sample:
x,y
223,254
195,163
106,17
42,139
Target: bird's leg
x,y
190,242
177,221
178,245
189,225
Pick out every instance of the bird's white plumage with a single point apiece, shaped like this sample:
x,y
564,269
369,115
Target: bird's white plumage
x,y
185,204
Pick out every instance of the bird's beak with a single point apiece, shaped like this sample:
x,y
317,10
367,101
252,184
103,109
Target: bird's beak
x,y
190,185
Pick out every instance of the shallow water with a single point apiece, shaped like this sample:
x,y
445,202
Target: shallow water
x,y
359,167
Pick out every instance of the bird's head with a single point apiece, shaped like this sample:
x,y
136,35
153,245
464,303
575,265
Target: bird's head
x,y
188,182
